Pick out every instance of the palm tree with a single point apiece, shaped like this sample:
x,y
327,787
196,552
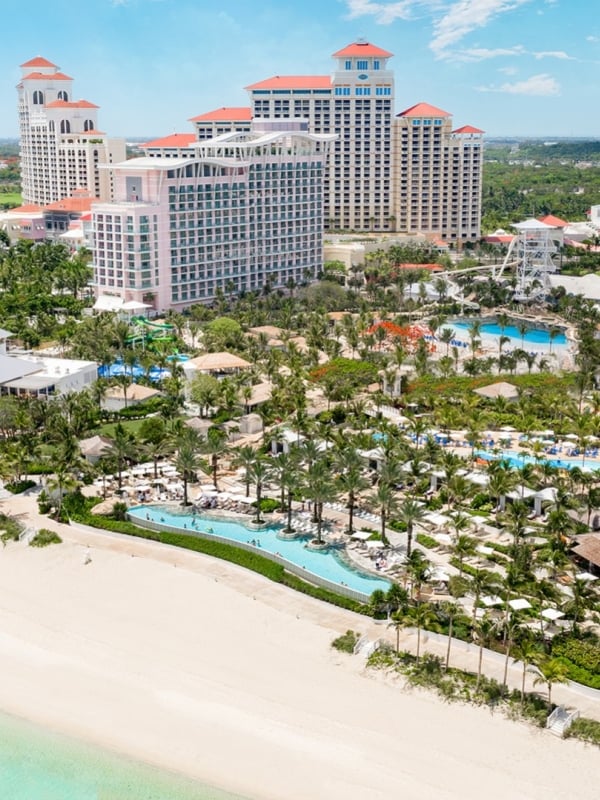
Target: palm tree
x,y
410,512
244,458
450,611
398,620
551,671
351,482
463,546
319,487
61,482
482,580
422,616
122,448
525,651
187,460
260,471
483,631
215,445
285,473
384,498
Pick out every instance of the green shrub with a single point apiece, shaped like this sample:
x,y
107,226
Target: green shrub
x,y
119,511
268,505
480,500
10,529
397,525
588,730
426,541
580,652
346,642
16,487
44,537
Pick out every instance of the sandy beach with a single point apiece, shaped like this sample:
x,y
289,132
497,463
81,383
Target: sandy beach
x,y
201,667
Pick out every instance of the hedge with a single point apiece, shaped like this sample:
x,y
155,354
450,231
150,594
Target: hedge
x,y
426,541
16,487
580,652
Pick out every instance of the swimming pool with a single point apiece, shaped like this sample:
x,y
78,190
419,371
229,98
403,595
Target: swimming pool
x,y
516,460
532,336
327,565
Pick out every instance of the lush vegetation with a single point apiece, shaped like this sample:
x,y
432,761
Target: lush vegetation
x,y
346,642
44,537
533,180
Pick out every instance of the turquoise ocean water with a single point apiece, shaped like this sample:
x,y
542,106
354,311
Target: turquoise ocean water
x,y
36,764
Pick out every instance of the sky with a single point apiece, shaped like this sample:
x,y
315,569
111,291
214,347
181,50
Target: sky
x,y
510,67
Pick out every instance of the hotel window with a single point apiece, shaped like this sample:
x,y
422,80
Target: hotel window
x,y
348,64
362,65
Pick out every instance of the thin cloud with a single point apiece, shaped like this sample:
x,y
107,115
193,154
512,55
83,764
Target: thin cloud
x,y
484,53
466,16
384,13
536,86
560,54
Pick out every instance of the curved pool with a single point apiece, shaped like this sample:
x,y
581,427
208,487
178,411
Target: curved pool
x,y
531,337
327,565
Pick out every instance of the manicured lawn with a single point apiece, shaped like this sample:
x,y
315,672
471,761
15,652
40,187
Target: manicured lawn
x,y
130,425
10,199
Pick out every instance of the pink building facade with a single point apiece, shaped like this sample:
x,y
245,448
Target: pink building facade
x,y
241,212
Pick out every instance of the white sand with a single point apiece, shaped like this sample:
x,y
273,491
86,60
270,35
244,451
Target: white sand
x,y
207,669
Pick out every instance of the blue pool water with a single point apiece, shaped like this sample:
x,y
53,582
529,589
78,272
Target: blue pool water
x,y
327,565
36,764
533,335
516,459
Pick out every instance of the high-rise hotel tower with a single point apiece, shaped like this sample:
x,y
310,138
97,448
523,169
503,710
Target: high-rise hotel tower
x,y
61,146
356,103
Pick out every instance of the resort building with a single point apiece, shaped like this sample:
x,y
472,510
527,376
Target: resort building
x,y
357,103
61,146
33,375
412,173
239,212
437,174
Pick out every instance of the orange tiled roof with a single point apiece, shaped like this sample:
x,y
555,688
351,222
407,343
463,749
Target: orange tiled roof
x,y
74,104
91,132
424,110
294,82
556,222
173,140
468,129
225,114
74,204
38,61
28,208
362,49
40,76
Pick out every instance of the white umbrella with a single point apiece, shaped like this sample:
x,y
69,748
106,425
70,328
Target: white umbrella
x,y
362,535
374,544
552,614
491,600
519,604
143,487
585,576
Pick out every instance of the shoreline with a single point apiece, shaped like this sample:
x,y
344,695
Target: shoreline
x,y
206,670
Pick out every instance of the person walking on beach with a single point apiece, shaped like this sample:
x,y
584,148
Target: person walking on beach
x,y
87,556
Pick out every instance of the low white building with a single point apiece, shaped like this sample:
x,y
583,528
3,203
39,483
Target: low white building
x,y
44,376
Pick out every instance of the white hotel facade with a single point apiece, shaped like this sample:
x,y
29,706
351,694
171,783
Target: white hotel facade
x,y
61,146
235,213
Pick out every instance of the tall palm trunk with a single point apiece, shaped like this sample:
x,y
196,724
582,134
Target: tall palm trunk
x,y
450,628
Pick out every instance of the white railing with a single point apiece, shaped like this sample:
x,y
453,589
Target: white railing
x,y
560,720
